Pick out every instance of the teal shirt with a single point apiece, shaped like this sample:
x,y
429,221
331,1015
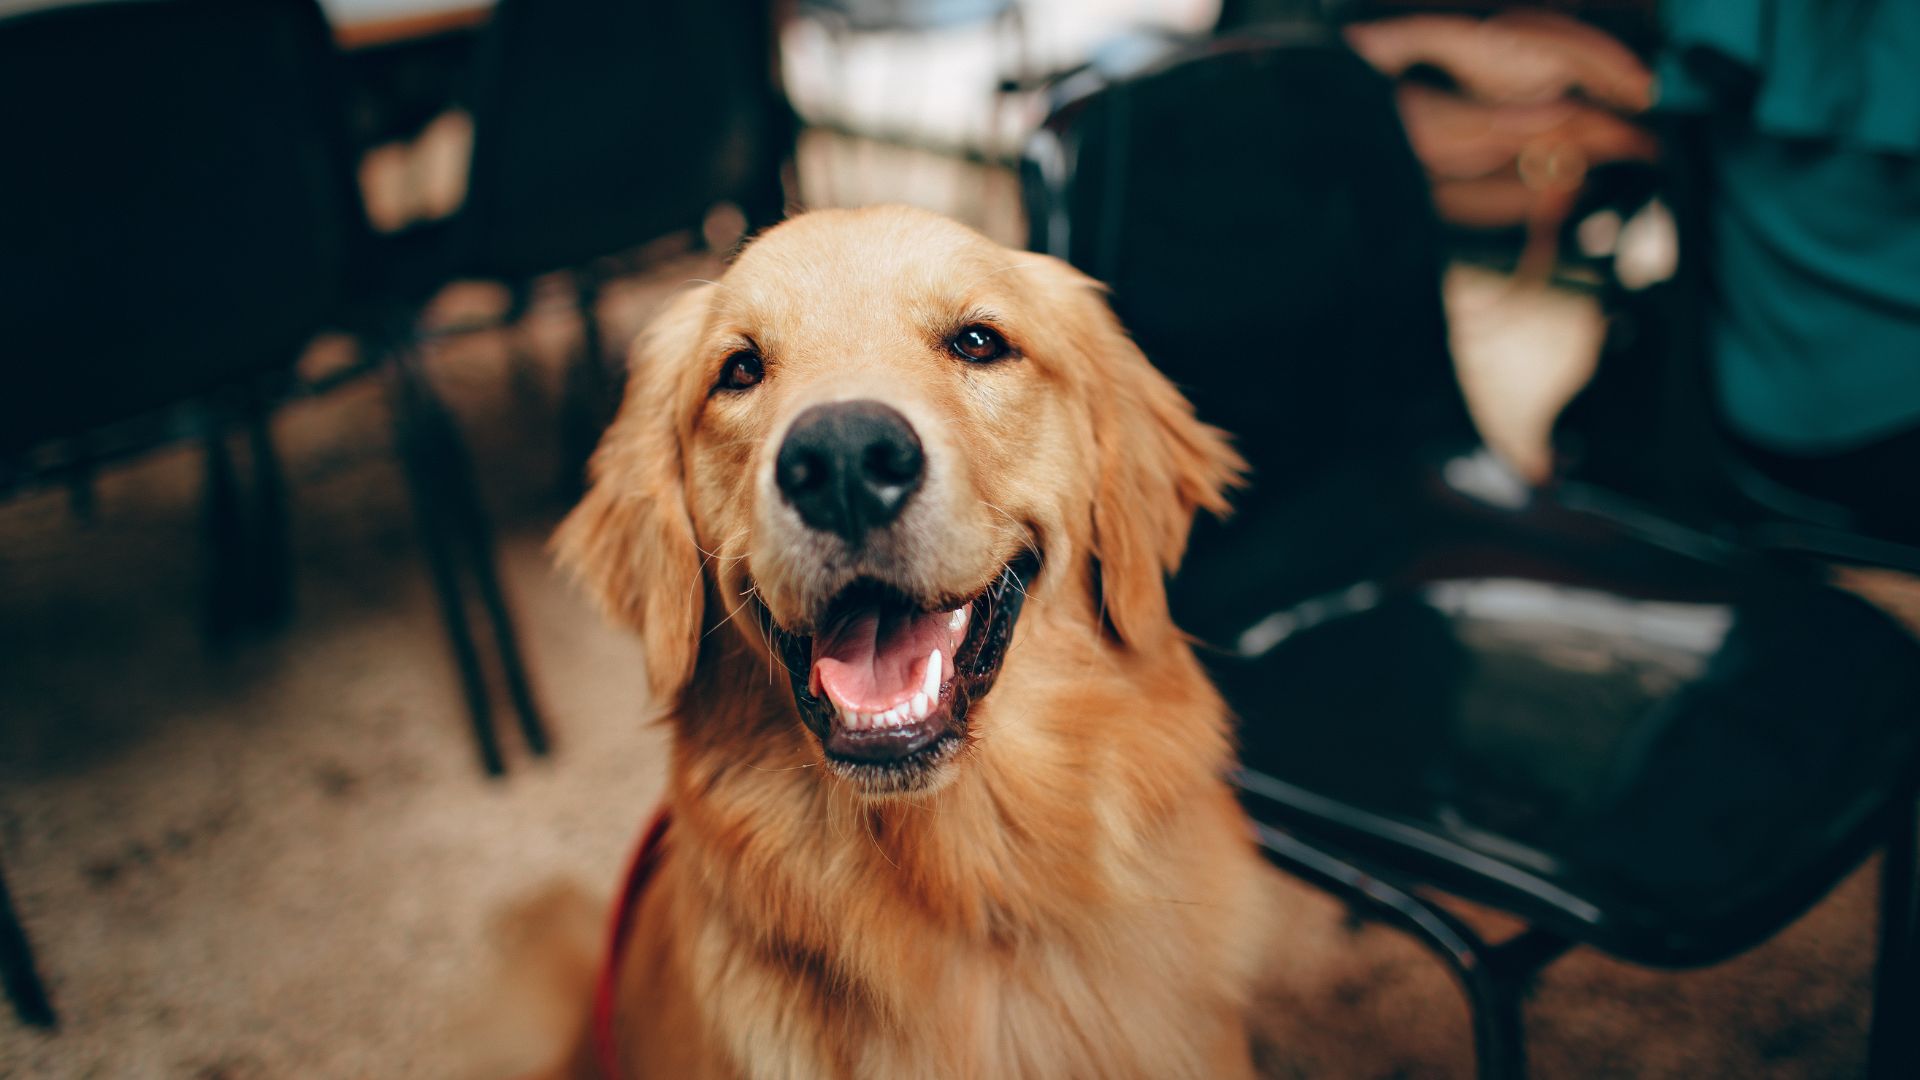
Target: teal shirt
x,y
1814,211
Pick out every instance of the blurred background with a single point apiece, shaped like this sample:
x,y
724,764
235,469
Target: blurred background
x,y
1576,347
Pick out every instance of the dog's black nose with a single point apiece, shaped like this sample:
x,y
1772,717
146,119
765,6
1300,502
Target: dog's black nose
x,y
849,467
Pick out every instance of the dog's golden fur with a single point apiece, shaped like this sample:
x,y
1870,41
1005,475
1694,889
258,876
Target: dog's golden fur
x,y
1076,895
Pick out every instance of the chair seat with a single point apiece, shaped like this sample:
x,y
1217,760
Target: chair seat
x,y
1631,736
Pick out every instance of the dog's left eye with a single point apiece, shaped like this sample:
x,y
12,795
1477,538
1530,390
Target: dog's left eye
x,y
742,370
979,343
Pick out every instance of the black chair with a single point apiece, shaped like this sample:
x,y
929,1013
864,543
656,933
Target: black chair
x,y
178,225
196,220
599,126
1629,734
148,291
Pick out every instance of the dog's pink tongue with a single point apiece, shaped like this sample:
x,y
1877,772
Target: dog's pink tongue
x,y
872,660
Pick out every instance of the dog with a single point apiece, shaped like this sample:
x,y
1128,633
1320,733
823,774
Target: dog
x,y
891,509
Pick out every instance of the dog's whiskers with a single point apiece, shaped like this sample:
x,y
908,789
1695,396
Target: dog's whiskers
x,y
729,617
1026,541
700,572
731,537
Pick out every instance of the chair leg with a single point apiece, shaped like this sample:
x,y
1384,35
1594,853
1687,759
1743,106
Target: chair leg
x,y
224,539
428,449
507,647
271,562
1500,982
525,379
1493,977
482,559
17,969
1892,1047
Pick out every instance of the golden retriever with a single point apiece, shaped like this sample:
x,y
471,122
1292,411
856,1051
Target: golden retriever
x,y
891,508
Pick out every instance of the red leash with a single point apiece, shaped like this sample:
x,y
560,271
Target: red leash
x,y
645,861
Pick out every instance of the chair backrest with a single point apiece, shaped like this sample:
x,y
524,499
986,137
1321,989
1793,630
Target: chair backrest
x,y
177,208
1268,238
602,124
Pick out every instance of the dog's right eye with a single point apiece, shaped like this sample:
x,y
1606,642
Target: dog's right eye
x,y
980,343
743,370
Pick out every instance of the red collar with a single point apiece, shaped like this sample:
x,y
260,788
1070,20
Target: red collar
x,y
646,860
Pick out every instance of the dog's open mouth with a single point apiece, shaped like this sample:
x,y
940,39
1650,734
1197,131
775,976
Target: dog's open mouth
x,y
885,682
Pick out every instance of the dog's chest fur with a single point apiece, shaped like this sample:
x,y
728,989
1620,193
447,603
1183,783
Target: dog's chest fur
x,y
1075,904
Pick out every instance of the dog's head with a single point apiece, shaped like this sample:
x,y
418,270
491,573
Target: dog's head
x,y
867,448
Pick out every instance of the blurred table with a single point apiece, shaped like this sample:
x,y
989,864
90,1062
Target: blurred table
x,y
359,24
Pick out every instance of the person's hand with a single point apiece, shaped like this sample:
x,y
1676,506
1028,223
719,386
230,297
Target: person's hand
x,y
1515,58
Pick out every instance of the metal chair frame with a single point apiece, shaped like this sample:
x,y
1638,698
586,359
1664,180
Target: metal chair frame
x,y
1494,977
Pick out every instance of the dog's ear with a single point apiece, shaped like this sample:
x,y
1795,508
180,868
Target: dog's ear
x,y
1157,465
630,541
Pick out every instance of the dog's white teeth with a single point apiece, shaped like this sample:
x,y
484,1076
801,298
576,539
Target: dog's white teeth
x,y
958,619
930,683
